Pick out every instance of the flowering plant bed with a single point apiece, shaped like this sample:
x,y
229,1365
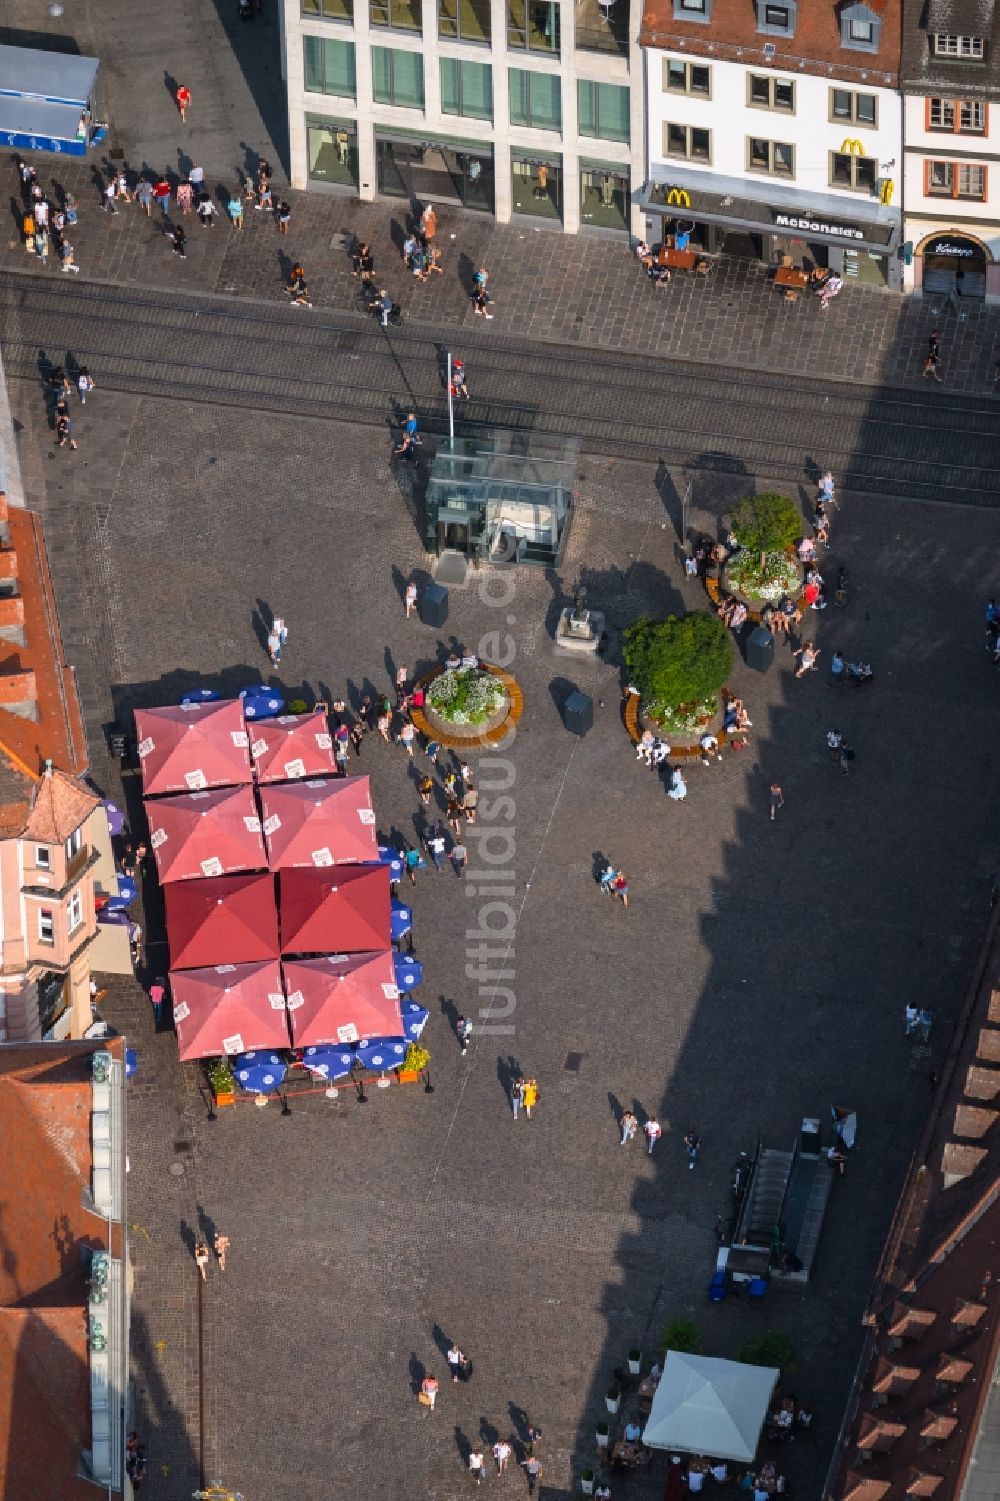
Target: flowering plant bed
x,y
466,696
765,576
681,719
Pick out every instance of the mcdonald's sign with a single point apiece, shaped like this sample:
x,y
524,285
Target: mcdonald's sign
x,y
886,190
680,196
852,147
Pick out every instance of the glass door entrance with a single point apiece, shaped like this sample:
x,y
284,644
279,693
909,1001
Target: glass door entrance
x,y
435,173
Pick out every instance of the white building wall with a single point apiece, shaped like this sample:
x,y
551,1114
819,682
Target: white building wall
x,y
810,128
571,66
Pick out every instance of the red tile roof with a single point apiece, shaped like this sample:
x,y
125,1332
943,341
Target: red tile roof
x,y
45,1114
60,806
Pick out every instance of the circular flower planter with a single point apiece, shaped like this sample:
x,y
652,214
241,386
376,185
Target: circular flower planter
x,y
682,746
757,602
464,736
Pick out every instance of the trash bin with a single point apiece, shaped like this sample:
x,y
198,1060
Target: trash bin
x,y
760,649
578,713
434,605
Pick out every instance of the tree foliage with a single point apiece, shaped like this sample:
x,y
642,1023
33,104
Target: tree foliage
x,y
682,1335
769,1348
679,660
767,523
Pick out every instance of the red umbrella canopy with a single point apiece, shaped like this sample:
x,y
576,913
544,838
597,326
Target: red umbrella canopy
x,y
342,998
319,823
225,920
231,1008
292,746
205,834
187,747
344,908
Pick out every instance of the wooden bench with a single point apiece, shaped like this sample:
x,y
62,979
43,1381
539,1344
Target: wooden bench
x,y
678,753
471,742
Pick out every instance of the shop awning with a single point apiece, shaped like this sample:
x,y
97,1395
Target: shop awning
x,y
708,198
45,99
341,910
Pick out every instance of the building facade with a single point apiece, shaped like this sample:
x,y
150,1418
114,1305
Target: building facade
x,y
951,133
509,107
775,128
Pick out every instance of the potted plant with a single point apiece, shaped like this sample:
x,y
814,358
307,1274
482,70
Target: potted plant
x,y
769,1348
222,1081
587,1482
297,706
634,1362
682,1335
679,665
413,1065
613,1399
603,1435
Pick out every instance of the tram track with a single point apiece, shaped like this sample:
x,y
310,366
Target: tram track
x,y
334,364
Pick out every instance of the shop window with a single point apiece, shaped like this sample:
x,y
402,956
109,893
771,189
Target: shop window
x,y
693,10
533,27
464,20
536,187
966,48
535,99
849,108
46,925
53,1001
765,92
776,20
956,180
686,78
775,158
332,151
398,77
400,15
603,110
604,196
858,173
330,66
329,10
966,116
687,141
466,89
860,28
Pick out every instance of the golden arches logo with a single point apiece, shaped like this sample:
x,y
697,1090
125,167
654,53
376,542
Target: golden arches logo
x,y
680,196
886,191
852,147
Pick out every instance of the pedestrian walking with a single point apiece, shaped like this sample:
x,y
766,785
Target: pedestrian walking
x,y
161,192
476,1464
619,887
406,738
283,217
836,668
501,1454
459,857
533,1470
124,192
628,1125
410,599
412,863
455,1360
276,638
143,193
364,263
532,1439
235,209
652,1130
692,1144
833,742
530,1096
436,844
402,678
425,789
776,799
845,757
517,1095
428,1391
677,790
826,486
201,1258
28,231
110,192
183,97
206,211
221,1248
453,813
463,1031
809,658
185,197
66,255
931,362
458,381
84,384
64,432
157,993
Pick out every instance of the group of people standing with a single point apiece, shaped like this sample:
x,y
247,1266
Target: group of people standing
x,y
45,224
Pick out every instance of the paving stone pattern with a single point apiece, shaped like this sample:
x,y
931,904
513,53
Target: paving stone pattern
x,y
733,995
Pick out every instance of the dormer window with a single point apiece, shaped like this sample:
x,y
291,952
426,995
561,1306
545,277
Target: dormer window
x,y
860,28
965,48
693,10
776,19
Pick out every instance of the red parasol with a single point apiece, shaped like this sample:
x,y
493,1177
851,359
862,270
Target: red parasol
x,y
226,920
231,1008
291,747
344,909
319,823
187,747
342,998
205,833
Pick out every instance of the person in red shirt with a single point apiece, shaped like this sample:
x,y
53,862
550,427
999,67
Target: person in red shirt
x,y
183,97
161,192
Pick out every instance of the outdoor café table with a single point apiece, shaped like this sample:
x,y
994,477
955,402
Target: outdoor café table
x,y
628,1455
788,276
680,260
648,1385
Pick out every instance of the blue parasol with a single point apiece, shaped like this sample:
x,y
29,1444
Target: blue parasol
x,y
116,818
327,1061
127,893
409,971
260,1073
400,920
415,1019
131,1062
393,859
378,1054
201,696
261,702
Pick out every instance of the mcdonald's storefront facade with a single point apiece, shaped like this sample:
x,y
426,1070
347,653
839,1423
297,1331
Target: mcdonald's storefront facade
x,y
762,164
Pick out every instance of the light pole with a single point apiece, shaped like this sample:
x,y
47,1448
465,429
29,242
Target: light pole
x,y
451,405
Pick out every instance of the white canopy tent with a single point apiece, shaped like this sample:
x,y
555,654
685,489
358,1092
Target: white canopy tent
x,y
705,1406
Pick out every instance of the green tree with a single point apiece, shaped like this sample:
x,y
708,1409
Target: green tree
x,y
767,523
678,660
769,1348
682,1335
